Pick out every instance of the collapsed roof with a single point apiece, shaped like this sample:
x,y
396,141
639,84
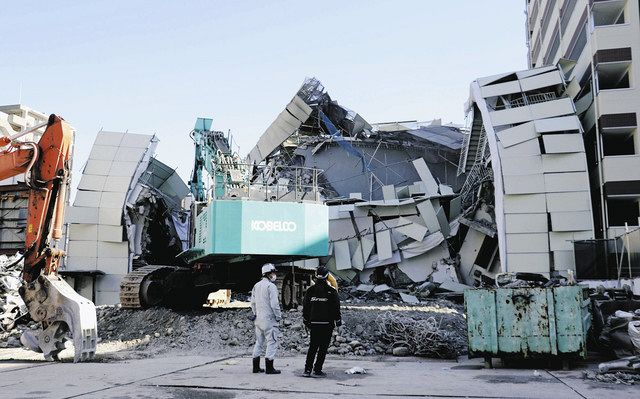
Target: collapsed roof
x,y
355,156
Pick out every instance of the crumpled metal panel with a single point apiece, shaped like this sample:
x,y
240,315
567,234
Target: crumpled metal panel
x,y
286,124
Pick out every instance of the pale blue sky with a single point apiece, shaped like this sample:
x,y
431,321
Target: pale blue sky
x,y
154,66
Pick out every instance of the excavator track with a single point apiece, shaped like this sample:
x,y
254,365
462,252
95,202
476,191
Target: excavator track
x,y
132,286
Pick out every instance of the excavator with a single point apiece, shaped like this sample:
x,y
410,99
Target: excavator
x,y
241,218
61,311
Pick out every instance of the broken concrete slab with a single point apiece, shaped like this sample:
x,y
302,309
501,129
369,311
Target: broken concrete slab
x,y
453,286
406,298
374,262
383,245
443,222
362,252
418,268
342,254
425,175
389,193
421,247
428,214
410,229
365,287
518,134
381,288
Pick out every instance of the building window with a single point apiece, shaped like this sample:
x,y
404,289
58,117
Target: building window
x,y
617,144
623,210
606,13
613,67
613,76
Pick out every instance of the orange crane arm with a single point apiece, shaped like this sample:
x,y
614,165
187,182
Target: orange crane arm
x,y
50,300
46,168
14,161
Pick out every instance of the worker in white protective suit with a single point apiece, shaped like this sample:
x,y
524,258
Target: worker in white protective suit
x,y
266,310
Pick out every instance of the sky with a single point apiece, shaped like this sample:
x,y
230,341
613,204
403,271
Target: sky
x,y
154,66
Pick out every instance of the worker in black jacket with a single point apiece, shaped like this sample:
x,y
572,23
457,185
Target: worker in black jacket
x,y
321,312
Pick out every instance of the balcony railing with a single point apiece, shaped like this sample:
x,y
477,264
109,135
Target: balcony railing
x,y
527,100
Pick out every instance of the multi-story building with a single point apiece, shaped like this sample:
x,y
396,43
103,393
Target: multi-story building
x,y
529,141
595,42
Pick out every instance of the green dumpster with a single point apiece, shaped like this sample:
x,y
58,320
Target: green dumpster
x,y
527,322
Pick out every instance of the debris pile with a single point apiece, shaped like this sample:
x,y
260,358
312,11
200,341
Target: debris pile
x,y
622,371
616,377
11,304
159,329
616,322
390,187
420,337
399,240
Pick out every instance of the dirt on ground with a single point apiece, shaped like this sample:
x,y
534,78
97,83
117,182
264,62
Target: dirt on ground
x,y
434,328
364,330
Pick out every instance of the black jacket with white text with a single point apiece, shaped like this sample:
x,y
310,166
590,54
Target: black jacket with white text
x,y
321,304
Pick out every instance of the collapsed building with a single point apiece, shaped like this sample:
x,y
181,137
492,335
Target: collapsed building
x,y
409,202
414,202
528,141
354,156
127,213
390,187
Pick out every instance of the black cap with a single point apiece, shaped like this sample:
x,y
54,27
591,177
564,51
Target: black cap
x,y
322,273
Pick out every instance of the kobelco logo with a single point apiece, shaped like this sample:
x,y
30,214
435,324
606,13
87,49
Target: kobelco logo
x,y
273,225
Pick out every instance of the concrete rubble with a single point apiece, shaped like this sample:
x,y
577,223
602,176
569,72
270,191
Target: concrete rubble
x,y
390,188
366,330
12,307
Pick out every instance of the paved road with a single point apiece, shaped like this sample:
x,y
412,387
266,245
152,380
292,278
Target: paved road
x,y
228,377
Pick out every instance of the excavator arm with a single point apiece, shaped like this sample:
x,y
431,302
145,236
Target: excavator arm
x,y
50,300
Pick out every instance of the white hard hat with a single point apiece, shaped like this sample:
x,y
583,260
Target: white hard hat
x,y
267,268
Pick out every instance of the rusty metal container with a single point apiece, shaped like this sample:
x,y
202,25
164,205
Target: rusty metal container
x,y
527,322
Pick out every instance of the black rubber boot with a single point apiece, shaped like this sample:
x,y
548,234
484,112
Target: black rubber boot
x,y
256,365
270,369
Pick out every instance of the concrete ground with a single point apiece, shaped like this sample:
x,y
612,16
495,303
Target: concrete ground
x,y
176,376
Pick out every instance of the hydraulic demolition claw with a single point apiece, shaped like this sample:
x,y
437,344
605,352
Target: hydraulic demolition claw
x,y
50,300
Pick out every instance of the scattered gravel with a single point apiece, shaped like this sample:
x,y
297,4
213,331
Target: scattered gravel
x,y
127,333
230,329
614,377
